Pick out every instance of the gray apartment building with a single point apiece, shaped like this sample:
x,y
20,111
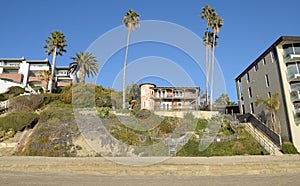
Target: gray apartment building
x,y
276,70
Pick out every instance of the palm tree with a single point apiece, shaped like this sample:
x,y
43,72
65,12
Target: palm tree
x,y
206,15
56,44
131,21
45,77
272,104
86,64
216,24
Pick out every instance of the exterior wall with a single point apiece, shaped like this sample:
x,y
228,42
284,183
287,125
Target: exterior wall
x,y
260,89
147,96
4,85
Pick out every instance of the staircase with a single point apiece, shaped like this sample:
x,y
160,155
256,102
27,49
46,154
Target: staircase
x,y
262,139
30,89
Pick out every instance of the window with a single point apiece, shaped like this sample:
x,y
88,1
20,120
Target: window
x,y
248,77
251,108
179,105
264,61
272,57
267,80
250,92
163,93
256,67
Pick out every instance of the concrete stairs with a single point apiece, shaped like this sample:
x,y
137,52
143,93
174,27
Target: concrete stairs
x,y
262,139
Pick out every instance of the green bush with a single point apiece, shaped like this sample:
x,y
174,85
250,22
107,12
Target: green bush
x,y
103,112
17,120
13,92
289,148
168,125
2,97
66,95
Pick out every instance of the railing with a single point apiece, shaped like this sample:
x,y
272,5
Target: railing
x,y
261,140
274,137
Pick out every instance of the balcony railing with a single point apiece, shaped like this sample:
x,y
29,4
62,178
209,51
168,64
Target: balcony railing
x,y
293,77
295,96
292,58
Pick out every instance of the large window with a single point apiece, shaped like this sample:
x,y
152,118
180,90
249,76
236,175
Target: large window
x,y
256,67
252,108
250,92
248,77
267,80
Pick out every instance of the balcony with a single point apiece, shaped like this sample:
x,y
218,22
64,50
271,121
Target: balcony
x,y
297,115
17,78
292,58
293,77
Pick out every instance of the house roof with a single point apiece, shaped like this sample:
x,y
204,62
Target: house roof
x,y
280,40
155,87
62,68
12,59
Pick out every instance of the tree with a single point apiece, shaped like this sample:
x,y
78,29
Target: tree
x,y
56,44
224,100
131,21
216,24
86,64
206,15
45,77
272,104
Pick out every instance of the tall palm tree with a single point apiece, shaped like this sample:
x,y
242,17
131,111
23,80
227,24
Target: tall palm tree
x,y
216,24
56,44
45,77
206,15
86,64
131,21
272,104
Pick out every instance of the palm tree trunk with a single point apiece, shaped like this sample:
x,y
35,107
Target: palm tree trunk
x,y
212,70
82,76
207,69
124,74
53,68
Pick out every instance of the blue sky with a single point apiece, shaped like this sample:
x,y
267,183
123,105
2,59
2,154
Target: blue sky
x,y
249,28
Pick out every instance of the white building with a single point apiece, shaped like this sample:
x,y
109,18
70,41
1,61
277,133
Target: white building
x,y
27,73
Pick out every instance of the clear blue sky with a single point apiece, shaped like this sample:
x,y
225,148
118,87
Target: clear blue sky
x,y
249,27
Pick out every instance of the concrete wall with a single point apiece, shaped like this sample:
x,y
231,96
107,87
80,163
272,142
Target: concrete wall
x,y
180,114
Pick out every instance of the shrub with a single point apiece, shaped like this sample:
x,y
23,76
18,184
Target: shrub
x,y
18,120
31,102
66,95
103,112
143,114
13,92
2,97
168,124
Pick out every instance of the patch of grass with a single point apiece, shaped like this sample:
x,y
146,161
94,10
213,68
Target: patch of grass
x,y
289,148
245,144
17,120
